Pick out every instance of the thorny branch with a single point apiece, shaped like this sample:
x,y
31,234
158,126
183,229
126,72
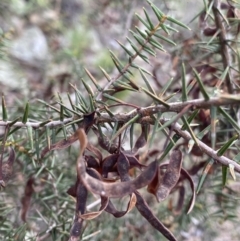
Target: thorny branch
x,y
206,149
145,111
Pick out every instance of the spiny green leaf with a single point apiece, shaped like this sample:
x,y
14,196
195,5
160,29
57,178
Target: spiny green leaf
x,y
184,87
156,10
61,113
223,75
64,132
227,145
171,28
91,103
166,86
68,109
110,97
133,120
118,64
201,86
93,80
208,9
132,82
144,70
177,137
155,97
202,133
30,136
4,109
204,174
189,130
50,106
26,113
190,119
223,16
82,108
173,20
163,26
168,123
213,113
143,34
224,175
105,74
156,45
229,119
237,158
14,121
144,57
169,147
148,50
154,131
116,125
150,88
37,142
148,19
126,49
88,88
109,112
14,130
165,39
48,137
70,101
143,21
213,37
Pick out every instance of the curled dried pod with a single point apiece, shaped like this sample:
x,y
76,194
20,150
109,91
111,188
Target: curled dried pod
x,y
7,167
209,31
171,176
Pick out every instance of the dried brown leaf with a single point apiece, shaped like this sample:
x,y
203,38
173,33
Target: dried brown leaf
x,y
181,195
108,164
7,167
141,141
117,214
186,175
114,190
170,177
26,199
141,205
86,123
95,151
92,215
147,213
81,196
193,197
133,161
60,145
92,162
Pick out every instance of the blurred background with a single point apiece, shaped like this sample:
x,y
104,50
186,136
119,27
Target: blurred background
x,y
44,46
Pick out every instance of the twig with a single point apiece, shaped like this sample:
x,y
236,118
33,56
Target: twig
x,y
174,107
37,124
206,149
147,111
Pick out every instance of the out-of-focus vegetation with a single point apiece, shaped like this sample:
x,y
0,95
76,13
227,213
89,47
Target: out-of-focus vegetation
x,y
60,60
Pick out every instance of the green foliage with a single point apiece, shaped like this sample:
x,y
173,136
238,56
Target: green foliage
x,y
127,118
